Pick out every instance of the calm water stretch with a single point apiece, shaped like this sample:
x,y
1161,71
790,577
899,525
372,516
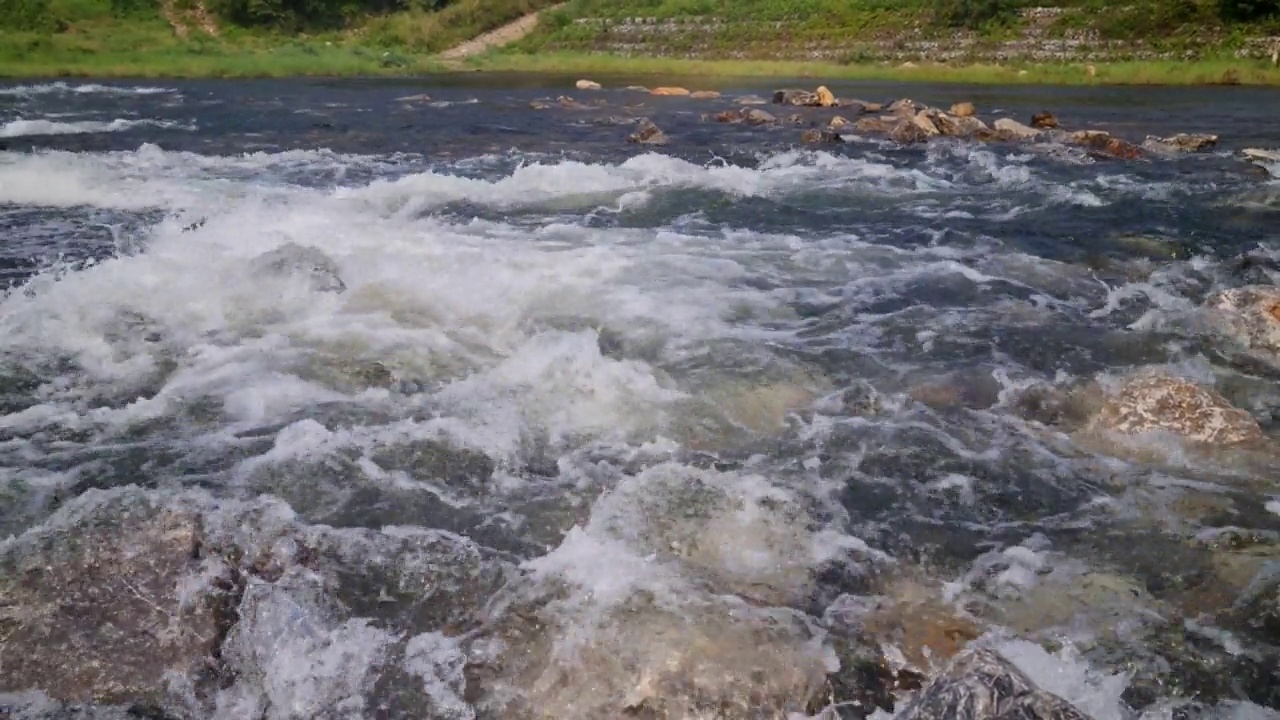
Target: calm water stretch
x,y
406,399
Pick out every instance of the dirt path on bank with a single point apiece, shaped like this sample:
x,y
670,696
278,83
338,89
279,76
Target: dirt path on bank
x,y
504,35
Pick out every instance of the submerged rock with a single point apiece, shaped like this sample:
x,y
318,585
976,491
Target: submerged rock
x,y
793,97
295,260
1182,142
648,134
670,92
1044,121
1015,129
704,95
1153,401
980,684
1250,316
1259,155
93,608
820,136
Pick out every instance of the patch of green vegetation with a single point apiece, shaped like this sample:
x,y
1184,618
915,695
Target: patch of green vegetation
x,y
675,71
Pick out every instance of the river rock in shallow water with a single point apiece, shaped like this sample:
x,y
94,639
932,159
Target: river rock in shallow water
x,y
982,685
1153,401
1250,316
92,606
304,261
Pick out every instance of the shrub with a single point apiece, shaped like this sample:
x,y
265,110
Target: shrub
x,y
1248,10
28,15
976,14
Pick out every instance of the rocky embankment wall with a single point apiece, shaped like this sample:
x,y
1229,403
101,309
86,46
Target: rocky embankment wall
x,y
1046,35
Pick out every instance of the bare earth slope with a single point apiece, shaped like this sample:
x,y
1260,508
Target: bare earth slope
x,y
504,35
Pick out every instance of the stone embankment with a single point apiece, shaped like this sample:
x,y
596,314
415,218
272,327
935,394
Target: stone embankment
x,y
1047,35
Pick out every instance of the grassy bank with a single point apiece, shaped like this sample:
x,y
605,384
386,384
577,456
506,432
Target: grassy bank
x,y
1155,72
837,39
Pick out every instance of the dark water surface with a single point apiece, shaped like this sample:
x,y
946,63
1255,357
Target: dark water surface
x,y
729,377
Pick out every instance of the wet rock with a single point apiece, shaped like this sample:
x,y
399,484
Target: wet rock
x,y
1102,143
1257,610
824,97
905,107
1015,129
93,608
587,85
982,685
1153,401
1259,155
637,88
302,261
1250,317
704,95
963,110
794,97
568,103
840,123
926,125
958,126
820,136
752,100
907,131
670,92
1182,142
1044,121
751,116
876,125
648,134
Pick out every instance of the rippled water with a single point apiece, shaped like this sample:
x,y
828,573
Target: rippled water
x,y
573,408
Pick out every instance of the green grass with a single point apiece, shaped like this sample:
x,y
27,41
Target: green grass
x,y
94,38
600,67
137,53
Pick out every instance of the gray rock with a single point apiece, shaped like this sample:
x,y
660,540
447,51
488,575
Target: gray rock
x,y
295,260
980,684
92,610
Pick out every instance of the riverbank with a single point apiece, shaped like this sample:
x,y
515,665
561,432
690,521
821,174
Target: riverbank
x,y
257,56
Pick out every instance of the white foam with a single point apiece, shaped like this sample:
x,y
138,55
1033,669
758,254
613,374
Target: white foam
x,y
20,128
1068,676
1273,506
60,88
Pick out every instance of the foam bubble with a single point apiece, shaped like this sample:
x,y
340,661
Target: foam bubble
x,y
60,88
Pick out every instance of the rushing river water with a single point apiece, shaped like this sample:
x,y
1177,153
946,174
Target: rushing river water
x,y
462,409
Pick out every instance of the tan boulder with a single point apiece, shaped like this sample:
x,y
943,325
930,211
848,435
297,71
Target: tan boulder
x,y
958,126
1015,129
756,116
1150,400
587,85
824,97
907,131
704,95
926,125
963,109
670,92
905,106
840,123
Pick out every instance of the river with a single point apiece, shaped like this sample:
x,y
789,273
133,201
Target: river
x,y
402,398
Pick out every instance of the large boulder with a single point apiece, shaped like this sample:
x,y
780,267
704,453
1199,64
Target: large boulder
x,y
92,608
908,131
670,92
1101,143
824,97
587,85
1044,121
1149,401
958,125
